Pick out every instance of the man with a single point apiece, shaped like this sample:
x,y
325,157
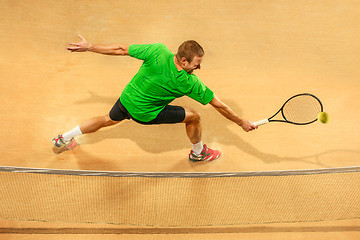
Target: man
x,y
163,77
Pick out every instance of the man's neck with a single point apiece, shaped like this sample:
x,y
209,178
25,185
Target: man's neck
x,y
177,64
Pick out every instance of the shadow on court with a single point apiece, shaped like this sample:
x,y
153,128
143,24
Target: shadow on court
x,y
171,137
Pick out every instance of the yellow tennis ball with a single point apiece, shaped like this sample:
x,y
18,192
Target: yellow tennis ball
x,y
323,117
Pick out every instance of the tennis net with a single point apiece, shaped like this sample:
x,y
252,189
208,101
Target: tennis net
x,y
179,199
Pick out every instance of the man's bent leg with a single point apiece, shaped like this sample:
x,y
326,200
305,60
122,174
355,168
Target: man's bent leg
x,y
193,130
193,126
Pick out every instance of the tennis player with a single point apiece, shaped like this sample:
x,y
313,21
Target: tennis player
x,y
163,77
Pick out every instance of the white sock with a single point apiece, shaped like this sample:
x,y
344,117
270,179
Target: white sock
x,y
73,133
198,147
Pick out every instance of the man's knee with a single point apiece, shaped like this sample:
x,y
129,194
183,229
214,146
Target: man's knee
x,y
109,121
191,116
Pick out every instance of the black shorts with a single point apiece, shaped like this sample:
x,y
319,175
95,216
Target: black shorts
x,y
170,114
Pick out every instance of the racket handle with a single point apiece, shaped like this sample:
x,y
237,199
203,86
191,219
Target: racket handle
x,y
261,122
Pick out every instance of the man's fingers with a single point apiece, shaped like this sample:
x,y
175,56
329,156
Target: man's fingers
x,y
73,49
74,44
77,47
250,128
81,37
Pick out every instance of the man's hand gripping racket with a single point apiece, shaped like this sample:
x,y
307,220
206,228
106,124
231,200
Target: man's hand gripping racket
x,y
300,109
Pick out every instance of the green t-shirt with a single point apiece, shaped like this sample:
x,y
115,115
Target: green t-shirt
x,y
158,82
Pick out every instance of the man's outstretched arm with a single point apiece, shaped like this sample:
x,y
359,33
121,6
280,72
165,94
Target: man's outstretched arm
x,y
229,114
84,45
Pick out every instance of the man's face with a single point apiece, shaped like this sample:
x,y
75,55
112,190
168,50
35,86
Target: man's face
x,y
190,67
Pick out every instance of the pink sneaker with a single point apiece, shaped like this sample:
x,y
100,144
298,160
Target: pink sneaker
x,y
61,145
206,155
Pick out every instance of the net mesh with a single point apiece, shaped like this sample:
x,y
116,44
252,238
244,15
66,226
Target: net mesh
x,y
180,200
302,109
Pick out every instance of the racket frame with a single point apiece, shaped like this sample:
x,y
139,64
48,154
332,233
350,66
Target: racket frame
x,y
267,120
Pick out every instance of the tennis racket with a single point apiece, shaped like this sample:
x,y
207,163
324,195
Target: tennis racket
x,y
300,109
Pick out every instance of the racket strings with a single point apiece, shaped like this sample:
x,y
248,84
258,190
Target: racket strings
x,y
302,109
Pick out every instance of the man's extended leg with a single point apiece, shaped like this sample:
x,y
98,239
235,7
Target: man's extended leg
x,y
66,141
199,152
94,124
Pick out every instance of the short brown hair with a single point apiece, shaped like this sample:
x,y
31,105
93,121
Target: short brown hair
x,y
189,49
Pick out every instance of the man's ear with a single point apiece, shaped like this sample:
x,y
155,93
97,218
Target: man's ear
x,y
183,60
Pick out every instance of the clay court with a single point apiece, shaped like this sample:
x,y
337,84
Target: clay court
x,y
257,55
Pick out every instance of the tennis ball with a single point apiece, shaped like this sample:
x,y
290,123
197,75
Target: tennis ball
x,y
323,117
